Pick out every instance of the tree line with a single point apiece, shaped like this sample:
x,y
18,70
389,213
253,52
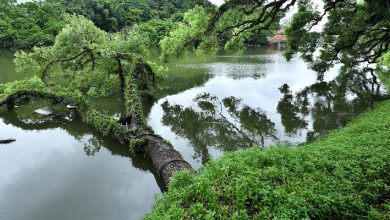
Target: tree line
x,y
36,23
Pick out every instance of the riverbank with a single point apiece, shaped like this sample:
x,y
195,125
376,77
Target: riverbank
x,y
345,174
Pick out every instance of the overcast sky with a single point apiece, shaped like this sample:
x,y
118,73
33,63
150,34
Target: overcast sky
x,y
217,2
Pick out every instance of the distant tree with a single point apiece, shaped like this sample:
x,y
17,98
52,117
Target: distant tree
x,y
23,26
114,15
155,30
167,8
109,15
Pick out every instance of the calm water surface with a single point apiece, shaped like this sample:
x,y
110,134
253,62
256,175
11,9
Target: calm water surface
x,y
60,169
255,98
7,68
63,170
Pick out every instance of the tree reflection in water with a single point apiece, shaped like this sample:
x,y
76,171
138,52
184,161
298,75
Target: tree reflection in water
x,y
226,124
93,141
229,125
330,104
92,146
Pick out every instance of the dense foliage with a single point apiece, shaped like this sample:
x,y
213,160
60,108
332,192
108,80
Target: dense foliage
x,y
341,176
87,59
155,30
30,24
108,15
113,16
193,33
355,33
167,8
187,33
36,23
18,92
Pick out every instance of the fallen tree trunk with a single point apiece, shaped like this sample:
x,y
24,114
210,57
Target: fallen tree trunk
x,y
131,131
165,158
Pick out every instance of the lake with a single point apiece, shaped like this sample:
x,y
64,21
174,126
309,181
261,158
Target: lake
x,y
206,106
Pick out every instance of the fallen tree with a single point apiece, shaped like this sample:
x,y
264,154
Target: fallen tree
x,y
130,131
86,61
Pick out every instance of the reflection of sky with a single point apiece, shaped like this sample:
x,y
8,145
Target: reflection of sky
x,y
229,79
46,175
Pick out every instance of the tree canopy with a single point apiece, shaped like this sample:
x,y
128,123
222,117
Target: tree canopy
x,y
355,33
29,24
88,59
36,23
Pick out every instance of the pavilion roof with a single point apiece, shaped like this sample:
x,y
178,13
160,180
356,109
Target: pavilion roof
x,y
278,38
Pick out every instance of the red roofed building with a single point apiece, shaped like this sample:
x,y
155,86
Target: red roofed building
x,y
279,40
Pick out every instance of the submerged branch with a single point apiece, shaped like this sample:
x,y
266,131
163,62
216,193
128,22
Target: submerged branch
x,y
7,141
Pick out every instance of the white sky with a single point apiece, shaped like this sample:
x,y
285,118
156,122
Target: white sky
x,y
216,2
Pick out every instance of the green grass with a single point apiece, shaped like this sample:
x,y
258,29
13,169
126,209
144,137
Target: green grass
x,y
344,175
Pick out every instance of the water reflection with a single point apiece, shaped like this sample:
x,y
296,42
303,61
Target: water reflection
x,y
7,68
92,140
249,97
225,124
92,146
330,104
257,98
292,117
234,71
46,173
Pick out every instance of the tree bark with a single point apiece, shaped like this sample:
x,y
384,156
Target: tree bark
x,y
166,160
121,74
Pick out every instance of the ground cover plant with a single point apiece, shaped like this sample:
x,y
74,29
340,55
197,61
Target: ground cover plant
x,y
344,175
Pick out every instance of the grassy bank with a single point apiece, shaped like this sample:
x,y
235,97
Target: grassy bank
x,y
343,175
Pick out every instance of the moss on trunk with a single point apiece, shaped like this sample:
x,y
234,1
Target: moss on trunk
x,y
133,131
